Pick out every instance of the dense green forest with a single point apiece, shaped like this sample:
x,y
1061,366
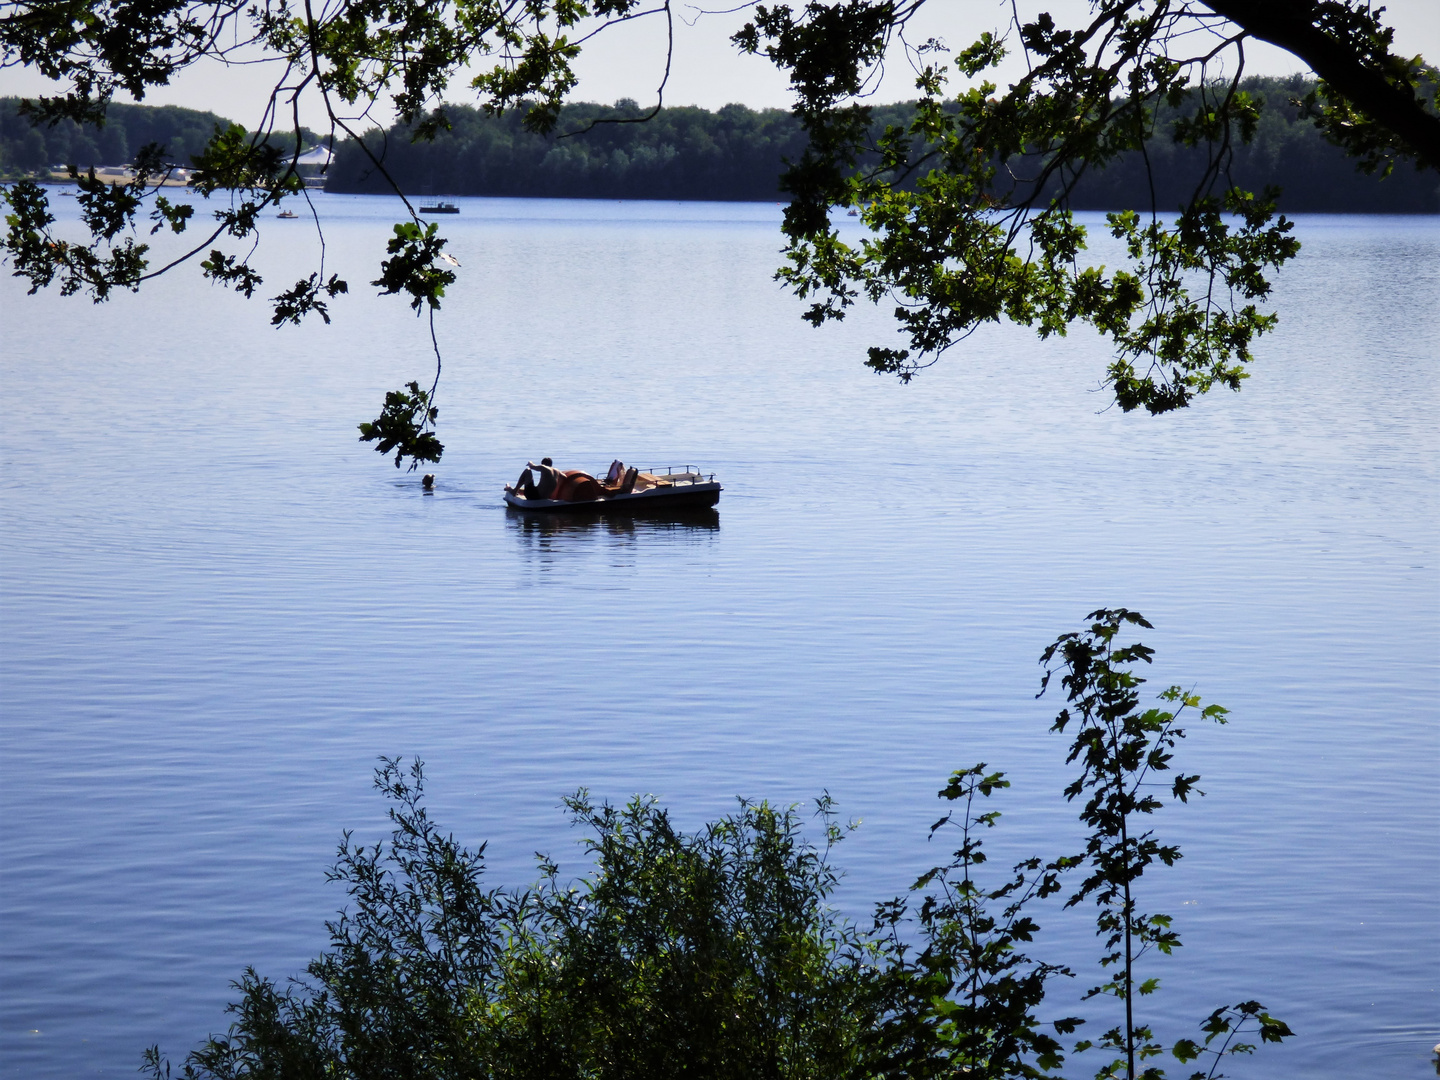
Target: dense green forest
x,y
737,154
682,153
27,149
733,154
1288,151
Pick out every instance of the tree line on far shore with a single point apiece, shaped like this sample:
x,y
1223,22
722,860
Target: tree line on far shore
x,y
28,149
732,154
737,153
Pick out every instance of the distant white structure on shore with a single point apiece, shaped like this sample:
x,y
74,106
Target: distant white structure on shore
x,y
124,174
313,164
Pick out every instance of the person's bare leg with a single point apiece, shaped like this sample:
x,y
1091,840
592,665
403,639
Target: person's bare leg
x,y
519,485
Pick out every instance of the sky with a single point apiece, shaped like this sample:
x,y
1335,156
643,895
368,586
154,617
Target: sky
x,y
628,61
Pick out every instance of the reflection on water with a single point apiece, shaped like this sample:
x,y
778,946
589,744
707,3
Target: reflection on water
x,y
538,528
594,546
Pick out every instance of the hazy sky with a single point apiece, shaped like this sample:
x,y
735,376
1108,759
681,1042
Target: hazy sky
x,y
628,61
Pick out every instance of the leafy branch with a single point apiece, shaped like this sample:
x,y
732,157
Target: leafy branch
x,y
406,425
1120,749
967,206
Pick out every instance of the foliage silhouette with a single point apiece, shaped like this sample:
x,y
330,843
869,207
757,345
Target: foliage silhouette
x,y
404,426
718,954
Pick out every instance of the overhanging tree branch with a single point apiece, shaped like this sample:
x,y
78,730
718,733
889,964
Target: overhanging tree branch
x,y
1374,80
952,242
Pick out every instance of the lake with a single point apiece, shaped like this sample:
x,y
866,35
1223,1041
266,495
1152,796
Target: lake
x,y
219,607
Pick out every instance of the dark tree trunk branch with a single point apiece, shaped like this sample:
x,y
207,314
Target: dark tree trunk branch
x,y
1290,24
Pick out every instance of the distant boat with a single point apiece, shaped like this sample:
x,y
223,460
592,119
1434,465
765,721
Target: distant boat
x,y
440,208
287,214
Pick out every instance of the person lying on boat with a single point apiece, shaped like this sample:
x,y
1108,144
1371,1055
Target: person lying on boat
x,y
527,485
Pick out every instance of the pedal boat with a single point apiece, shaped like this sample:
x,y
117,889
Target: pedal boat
x,y
662,492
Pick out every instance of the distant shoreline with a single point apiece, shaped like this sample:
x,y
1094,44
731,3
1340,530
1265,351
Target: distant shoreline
x,y
734,154
50,181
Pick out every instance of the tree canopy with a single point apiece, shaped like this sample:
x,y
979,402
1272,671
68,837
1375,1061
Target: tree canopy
x,y
968,202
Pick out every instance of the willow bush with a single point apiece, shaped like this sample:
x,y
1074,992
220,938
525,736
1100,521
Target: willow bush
x,y
718,954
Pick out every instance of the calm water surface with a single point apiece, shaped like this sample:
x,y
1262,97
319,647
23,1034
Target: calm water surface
x,y
219,607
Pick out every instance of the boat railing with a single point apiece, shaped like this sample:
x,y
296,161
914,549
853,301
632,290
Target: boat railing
x,y
674,475
683,474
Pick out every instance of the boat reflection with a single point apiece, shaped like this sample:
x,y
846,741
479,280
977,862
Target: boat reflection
x,y
580,524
